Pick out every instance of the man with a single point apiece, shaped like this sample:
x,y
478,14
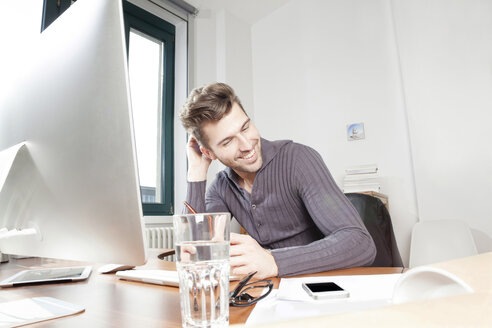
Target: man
x,y
281,192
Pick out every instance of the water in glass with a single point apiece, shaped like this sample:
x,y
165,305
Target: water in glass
x,y
203,268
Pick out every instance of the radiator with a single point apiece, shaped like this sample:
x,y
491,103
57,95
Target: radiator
x,y
160,237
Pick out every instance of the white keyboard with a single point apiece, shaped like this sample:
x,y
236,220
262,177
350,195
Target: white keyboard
x,y
158,277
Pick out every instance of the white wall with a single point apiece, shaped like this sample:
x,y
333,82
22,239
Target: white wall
x,y
320,65
223,54
223,51
446,56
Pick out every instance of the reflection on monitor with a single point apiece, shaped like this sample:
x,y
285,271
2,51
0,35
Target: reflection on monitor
x,y
72,191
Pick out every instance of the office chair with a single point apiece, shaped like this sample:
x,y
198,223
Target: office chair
x,y
378,222
440,240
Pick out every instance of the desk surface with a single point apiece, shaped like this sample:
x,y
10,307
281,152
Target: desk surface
x,y
110,302
465,310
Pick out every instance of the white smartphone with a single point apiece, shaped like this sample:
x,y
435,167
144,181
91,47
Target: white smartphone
x,y
325,290
38,276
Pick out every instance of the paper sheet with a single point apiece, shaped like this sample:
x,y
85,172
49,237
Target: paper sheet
x,y
30,310
290,301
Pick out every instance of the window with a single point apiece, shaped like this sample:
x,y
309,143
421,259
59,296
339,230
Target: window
x,y
151,69
146,74
151,47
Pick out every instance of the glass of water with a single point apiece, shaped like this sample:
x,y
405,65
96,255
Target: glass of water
x,y
202,251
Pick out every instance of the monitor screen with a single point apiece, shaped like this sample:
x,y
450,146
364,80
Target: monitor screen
x,y
72,190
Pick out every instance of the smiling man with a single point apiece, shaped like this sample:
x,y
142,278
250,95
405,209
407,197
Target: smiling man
x,y
281,192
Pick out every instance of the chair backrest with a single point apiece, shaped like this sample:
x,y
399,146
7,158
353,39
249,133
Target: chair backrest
x,y
440,240
378,222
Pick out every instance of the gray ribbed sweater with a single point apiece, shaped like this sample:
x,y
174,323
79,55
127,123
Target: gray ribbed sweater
x,y
295,209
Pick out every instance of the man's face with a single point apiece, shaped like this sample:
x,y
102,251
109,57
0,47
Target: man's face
x,y
234,141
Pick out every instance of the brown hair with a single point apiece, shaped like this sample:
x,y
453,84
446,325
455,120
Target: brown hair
x,y
205,104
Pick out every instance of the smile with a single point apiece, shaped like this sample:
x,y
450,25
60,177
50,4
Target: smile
x,y
249,155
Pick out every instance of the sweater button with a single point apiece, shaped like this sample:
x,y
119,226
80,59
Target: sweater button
x,y
253,206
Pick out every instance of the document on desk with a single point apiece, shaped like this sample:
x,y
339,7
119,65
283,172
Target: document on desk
x,y
31,310
290,301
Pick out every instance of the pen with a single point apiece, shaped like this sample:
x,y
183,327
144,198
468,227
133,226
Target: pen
x,y
192,211
188,206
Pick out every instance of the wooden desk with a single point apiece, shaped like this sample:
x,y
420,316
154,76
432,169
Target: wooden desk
x,y
110,302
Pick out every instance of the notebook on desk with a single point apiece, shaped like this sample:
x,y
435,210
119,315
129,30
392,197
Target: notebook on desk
x,y
158,277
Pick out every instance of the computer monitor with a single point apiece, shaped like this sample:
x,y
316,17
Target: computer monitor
x,y
73,191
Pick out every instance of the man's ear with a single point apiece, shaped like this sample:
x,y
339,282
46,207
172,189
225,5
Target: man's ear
x,y
208,153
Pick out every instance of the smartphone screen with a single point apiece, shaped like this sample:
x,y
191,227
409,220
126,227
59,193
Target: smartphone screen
x,y
323,287
324,290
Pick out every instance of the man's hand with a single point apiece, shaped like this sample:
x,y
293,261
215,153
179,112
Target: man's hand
x,y
248,256
198,163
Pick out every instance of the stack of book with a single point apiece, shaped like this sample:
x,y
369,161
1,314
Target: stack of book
x,y
361,178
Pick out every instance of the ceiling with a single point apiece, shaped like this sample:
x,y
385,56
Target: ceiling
x,y
249,11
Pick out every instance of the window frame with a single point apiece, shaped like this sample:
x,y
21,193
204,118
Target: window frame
x,y
145,22
52,9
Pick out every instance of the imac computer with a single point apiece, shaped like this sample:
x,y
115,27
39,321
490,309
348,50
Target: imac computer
x,y
69,185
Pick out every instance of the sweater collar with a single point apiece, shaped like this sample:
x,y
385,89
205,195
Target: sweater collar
x,y
269,149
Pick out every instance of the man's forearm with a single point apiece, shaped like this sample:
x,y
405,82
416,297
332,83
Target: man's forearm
x,y
346,248
196,174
